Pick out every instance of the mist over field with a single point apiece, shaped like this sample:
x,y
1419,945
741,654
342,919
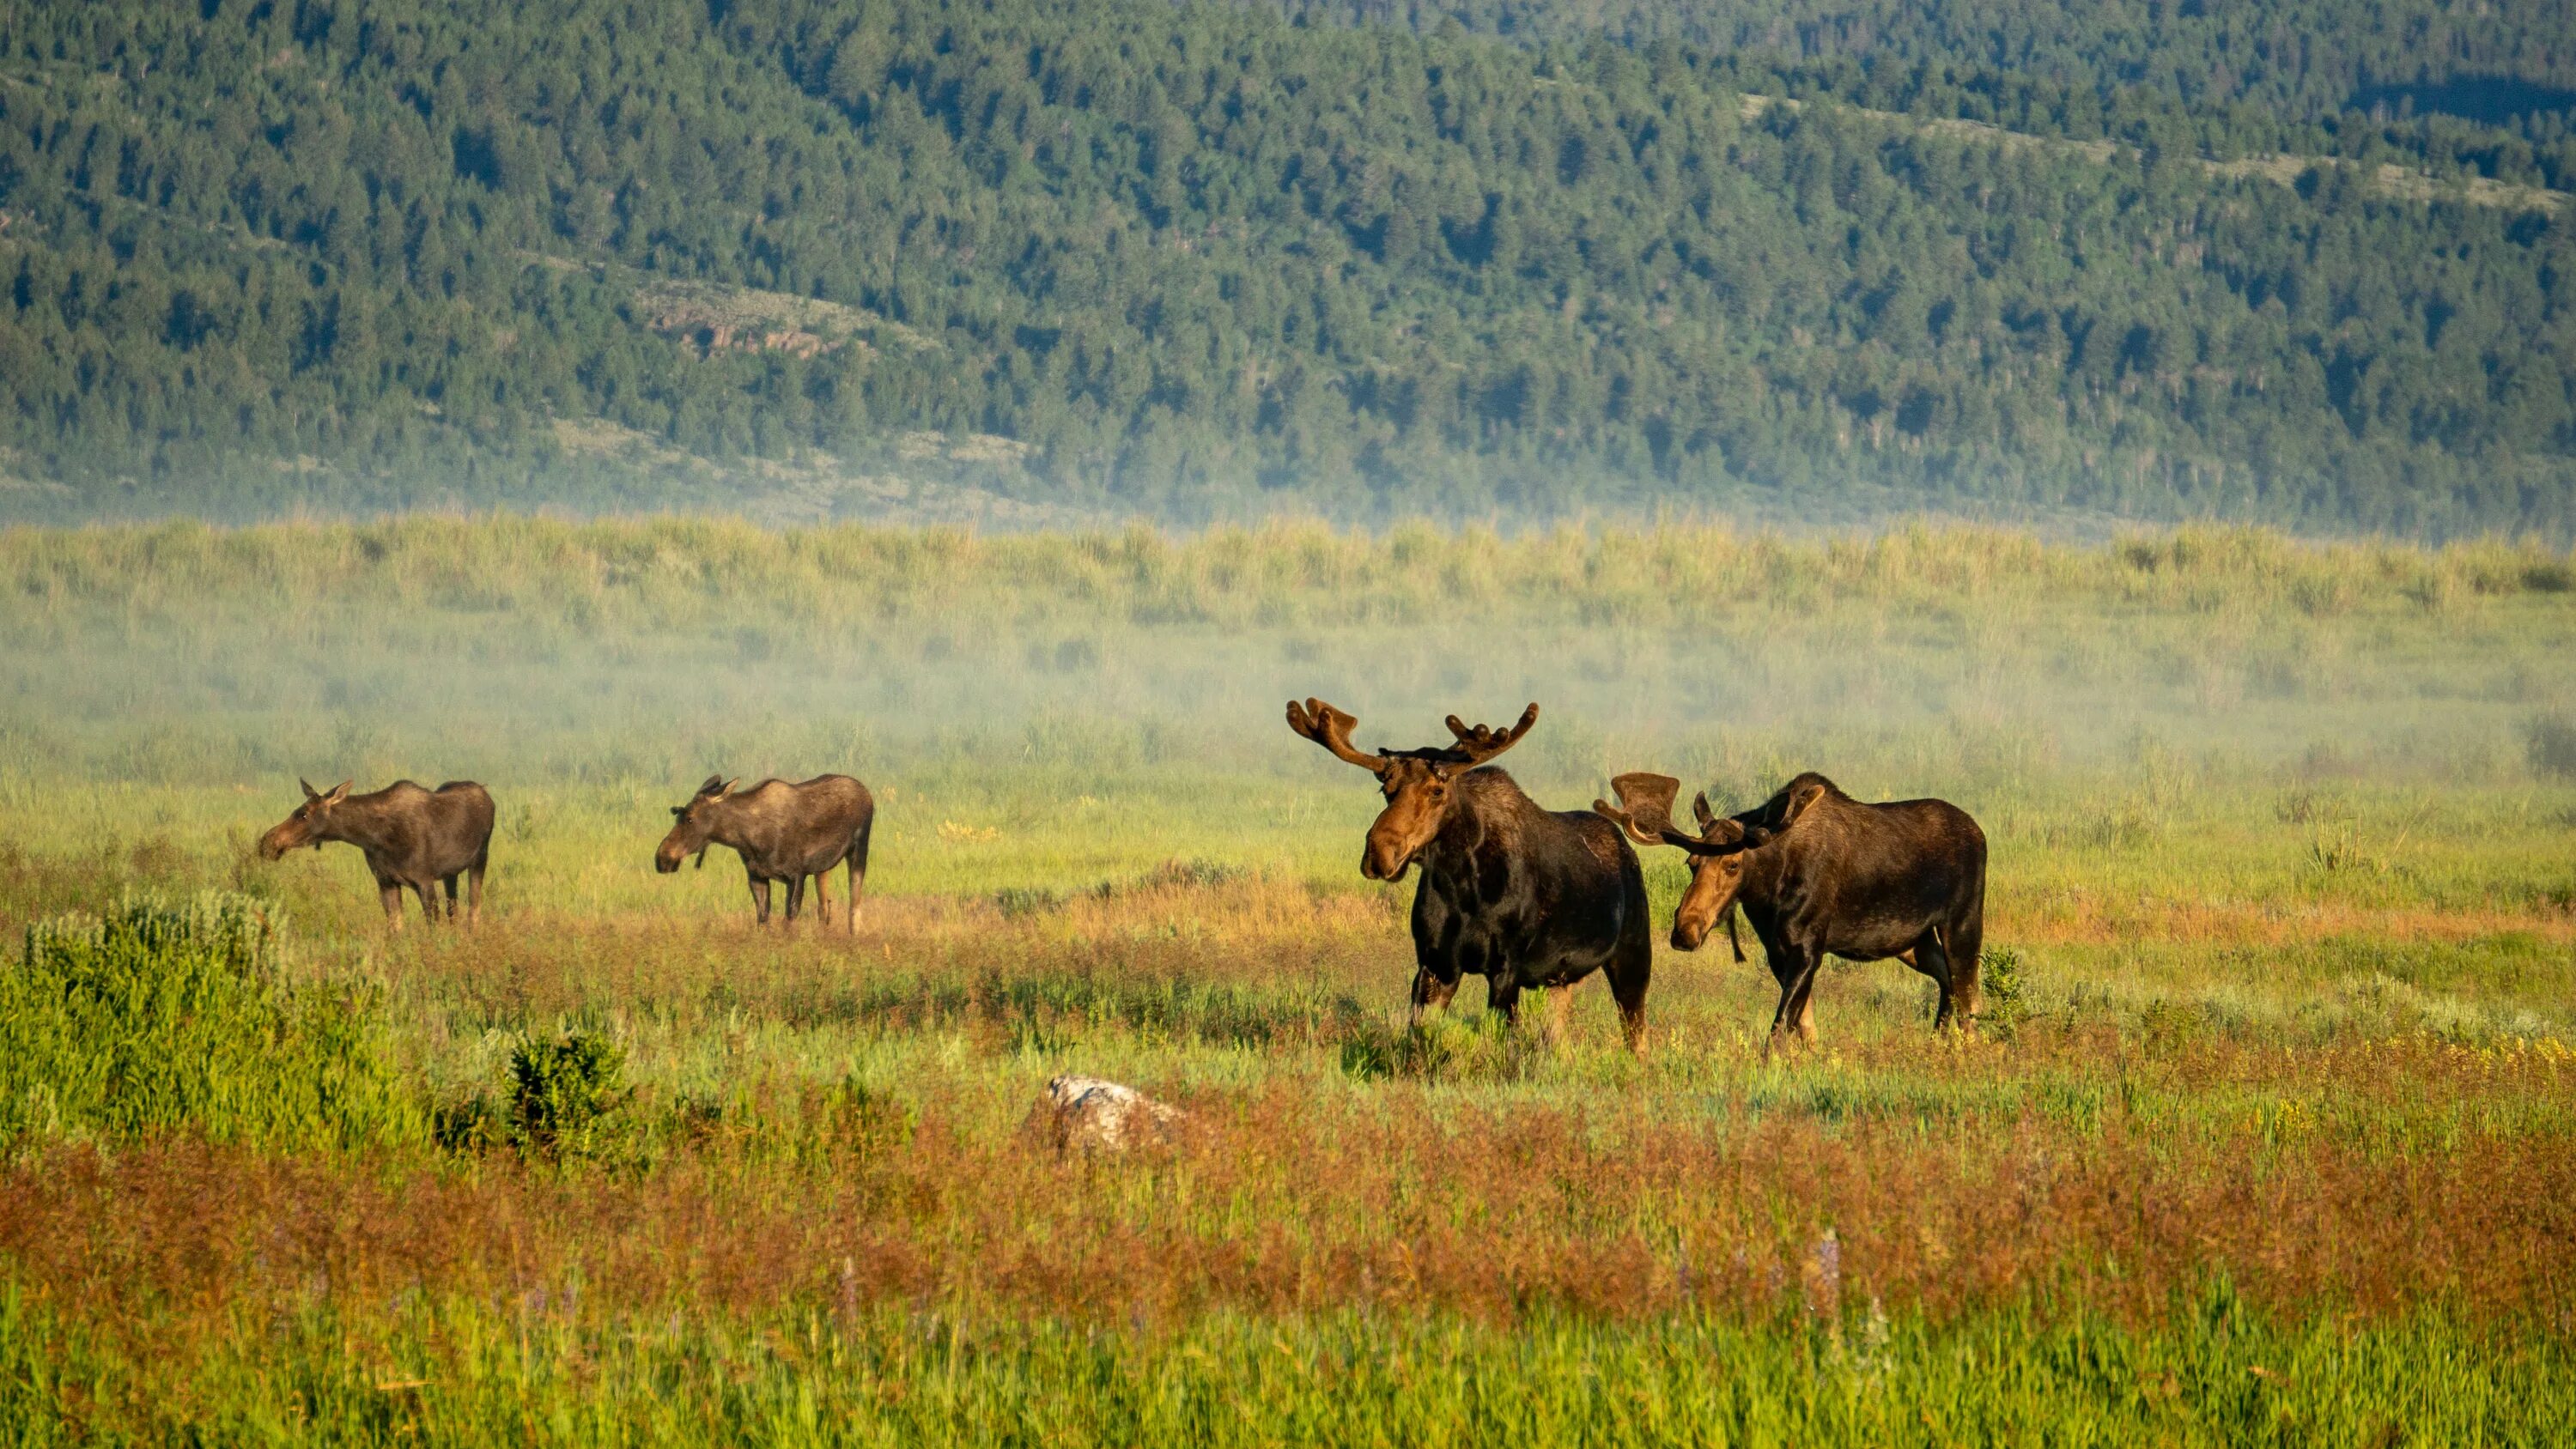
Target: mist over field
x,y
625,652
2335,725
1050,684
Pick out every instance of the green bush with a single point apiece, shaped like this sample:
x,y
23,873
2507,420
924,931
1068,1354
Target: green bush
x,y
2001,1007
1450,1048
172,1017
466,1124
1015,902
564,1092
2551,741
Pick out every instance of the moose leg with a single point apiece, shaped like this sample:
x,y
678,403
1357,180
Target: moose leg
x,y
759,901
795,897
427,890
1802,1001
823,899
1430,993
859,867
1929,958
1784,970
1963,940
1629,971
450,883
1806,1012
1503,994
1795,970
474,895
389,893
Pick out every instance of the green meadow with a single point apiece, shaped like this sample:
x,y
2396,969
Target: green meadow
x,y
2265,1138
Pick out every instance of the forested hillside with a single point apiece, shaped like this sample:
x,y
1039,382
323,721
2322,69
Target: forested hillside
x,y
2304,59
1212,259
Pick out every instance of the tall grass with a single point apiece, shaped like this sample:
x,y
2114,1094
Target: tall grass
x,y
166,1017
533,1371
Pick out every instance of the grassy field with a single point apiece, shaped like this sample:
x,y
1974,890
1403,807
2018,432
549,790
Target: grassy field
x,y
2271,1143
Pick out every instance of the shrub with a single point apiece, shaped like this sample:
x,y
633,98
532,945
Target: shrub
x,y
2551,741
1179,873
1017,901
467,1124
2002,1008
172,1017
563,1092
1448,1048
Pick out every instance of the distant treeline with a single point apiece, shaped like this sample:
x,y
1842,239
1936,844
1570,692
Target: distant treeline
x,y
1210,261
2301,59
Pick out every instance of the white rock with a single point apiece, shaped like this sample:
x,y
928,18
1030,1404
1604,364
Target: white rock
x,y
1096,1114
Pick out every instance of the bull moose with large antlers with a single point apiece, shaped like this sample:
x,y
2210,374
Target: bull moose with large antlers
x,y
411,837
1521,896
784,833
1818,873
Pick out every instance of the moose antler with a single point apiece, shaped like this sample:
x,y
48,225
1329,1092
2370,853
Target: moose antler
x,y
1331,728
1484,742
1645,811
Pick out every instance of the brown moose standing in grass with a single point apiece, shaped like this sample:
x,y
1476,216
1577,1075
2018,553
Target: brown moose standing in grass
x,y
1818,873
1521,896
410,836
783,832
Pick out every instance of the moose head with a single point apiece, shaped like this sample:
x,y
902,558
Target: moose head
x,y
1420,785
309,825
693,825
1718,852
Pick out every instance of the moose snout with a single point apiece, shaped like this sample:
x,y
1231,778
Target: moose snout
x,y
666,861
1379,862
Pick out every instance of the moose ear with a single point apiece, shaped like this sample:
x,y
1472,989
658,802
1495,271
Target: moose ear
x,y
679,810
1701,812
338,793
309,792
714,785
1799,800
728,787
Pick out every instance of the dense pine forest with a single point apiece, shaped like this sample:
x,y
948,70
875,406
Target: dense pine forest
x,y
1498,259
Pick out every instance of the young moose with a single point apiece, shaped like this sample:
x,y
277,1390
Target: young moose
x,y
1521,896
1819,873
783,832
411,837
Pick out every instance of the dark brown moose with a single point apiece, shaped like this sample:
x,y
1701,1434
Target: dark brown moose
x,y
784,833
411,837
1521,896
1818,873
